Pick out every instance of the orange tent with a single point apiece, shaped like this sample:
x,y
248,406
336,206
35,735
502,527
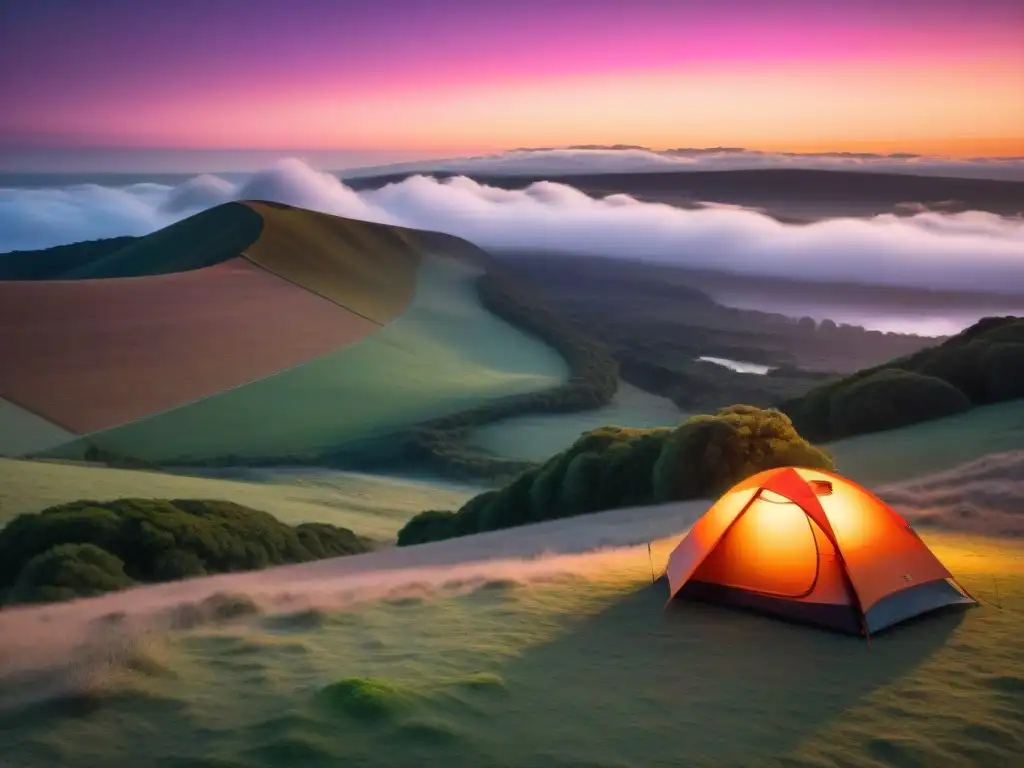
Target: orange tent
x,y
811,546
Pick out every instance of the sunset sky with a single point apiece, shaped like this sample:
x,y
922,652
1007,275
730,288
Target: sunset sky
x,y
456,76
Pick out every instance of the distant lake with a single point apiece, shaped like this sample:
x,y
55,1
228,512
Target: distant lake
x,y
739,366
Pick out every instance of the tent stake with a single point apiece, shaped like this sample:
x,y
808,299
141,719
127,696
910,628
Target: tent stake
x,y
650,560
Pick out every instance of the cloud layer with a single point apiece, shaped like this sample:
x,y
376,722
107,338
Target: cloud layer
x,y
526,162
965,250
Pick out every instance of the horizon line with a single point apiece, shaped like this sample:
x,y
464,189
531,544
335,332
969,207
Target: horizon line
x,y
995,147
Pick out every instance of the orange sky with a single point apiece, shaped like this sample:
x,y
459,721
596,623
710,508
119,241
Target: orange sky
x,y
959,110
454,76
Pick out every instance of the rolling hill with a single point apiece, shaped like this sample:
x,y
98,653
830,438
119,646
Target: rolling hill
x,y
981,365
252,331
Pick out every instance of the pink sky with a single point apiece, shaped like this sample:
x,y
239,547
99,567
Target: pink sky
x,y
453,76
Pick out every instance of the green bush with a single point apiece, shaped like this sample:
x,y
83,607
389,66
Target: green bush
x,y
708,454
87,547
1003,371
614,467
890,399
983,364
958,366
426,526
68,571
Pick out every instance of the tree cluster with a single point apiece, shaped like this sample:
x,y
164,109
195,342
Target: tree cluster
x,y
87,548
614,467
981,365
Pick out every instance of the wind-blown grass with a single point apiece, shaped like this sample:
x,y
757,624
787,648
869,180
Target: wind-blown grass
x,y
580,665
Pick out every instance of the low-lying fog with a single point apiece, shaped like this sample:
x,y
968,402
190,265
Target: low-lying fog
x,y
968,250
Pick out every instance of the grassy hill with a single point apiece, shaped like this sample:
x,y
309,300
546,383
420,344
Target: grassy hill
x,y
424,327
208,238
372,506
424,341
495,648
982,365
442,355
434,370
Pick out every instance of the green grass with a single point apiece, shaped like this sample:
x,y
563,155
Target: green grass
x,y
371,506
514,664
931,446
445,354
537,437
379,507
584,670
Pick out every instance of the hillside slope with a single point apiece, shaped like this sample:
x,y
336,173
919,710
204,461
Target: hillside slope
x,y
208,238
982,365
257,331
442,355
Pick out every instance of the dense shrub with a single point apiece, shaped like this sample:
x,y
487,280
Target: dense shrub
x,y
983,364
426,526
1003,371
959,366
68,571
892,398
87,547
614,467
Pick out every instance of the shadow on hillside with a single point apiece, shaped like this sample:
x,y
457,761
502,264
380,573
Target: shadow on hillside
x,y
696,684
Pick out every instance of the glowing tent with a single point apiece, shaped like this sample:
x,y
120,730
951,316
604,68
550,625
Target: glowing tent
x,y
811,546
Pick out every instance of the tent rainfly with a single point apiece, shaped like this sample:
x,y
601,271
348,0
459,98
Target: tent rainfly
x,y
814,547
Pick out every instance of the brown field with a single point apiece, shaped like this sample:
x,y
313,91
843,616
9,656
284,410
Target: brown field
x,y
93,354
